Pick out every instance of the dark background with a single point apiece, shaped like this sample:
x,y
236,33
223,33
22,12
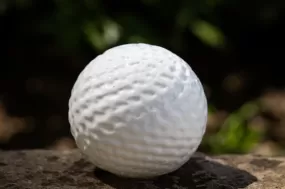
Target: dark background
x,y
235,47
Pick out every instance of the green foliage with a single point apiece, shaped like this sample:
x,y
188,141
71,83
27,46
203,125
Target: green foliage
x,y
235,136
208,34
103,24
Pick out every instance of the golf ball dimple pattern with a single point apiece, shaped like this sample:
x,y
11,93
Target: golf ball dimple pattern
x,y
138,110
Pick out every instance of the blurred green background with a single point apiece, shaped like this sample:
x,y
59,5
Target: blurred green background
x,y
235,47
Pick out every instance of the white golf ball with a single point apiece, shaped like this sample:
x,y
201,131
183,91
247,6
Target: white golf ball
x,y
138,111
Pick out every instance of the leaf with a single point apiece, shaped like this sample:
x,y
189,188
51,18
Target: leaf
x,y
208,34
102,38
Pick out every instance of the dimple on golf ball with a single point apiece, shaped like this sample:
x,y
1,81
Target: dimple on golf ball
x,y
138,110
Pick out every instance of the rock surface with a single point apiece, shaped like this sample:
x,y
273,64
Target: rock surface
x,y
43,169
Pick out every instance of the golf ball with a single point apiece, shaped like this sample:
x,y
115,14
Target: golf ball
x,y
138,110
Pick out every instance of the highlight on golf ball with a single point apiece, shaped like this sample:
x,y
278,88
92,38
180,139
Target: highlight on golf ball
x,y
138,111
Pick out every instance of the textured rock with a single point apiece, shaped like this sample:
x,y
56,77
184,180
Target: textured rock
x,y
69,170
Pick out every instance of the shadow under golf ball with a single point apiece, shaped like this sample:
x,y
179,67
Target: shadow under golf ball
x,y
197,173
